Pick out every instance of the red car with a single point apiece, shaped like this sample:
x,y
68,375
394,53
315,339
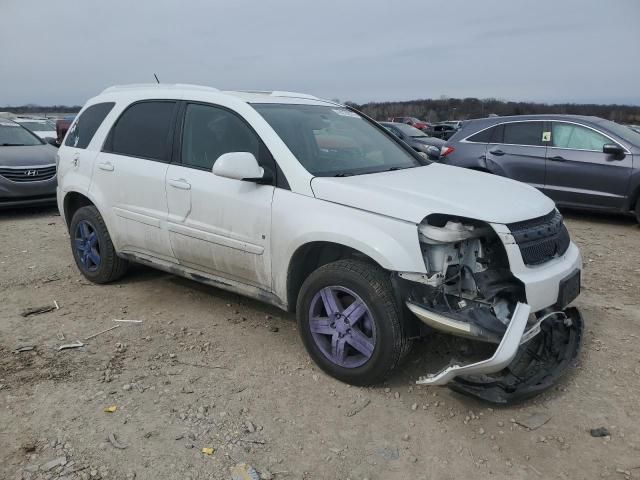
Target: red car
x,y
62,125
413,121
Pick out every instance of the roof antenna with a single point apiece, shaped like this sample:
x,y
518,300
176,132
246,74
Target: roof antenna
x,y
157,81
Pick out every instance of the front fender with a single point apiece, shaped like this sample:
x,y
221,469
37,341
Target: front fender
x,y
299,220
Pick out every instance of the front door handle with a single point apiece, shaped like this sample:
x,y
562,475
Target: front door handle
x,y
497,153
557,158
180,183
106,166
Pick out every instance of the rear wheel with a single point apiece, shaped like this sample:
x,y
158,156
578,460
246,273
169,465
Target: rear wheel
x,y
350,322
92,248
638,209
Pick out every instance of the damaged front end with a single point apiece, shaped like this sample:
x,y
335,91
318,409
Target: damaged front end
x,y
470,291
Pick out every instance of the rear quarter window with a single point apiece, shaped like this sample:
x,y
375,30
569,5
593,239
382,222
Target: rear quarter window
x,y
85,127
484,136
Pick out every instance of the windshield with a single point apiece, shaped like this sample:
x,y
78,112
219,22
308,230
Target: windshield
x,y
13,135
334,141
409,130
622,131
38,126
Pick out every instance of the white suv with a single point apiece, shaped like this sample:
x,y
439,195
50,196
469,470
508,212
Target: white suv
x,y
311,206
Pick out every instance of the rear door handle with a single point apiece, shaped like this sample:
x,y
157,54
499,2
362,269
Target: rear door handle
x,y
497,153
557,158
180,183
106,166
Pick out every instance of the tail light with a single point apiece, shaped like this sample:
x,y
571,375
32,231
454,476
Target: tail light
x,y
444,151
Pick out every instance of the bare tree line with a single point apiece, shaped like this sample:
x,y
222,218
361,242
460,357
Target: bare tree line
x,y
437,110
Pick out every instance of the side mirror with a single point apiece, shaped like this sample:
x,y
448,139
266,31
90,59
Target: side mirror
x,y
613,149
240,166
433,152
52,141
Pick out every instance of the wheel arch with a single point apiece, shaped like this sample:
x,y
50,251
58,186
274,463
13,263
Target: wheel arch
x,y
72,202
634,197
312,255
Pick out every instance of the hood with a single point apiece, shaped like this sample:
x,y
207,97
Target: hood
x,y
46,134
30,156
414,193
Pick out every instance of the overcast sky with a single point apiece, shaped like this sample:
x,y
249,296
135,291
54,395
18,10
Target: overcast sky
x,y
63,52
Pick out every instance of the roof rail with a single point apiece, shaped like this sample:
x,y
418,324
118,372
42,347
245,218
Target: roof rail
x,y
143,86
280,93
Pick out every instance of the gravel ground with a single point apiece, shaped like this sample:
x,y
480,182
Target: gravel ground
x,y
209,369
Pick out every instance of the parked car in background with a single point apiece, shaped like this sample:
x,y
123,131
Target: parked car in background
x,y
413,121
27,167
308,205
416,139
457,124
441,130
62,126
584,162
42,127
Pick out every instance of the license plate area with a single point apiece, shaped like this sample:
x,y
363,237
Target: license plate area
x,y
569,289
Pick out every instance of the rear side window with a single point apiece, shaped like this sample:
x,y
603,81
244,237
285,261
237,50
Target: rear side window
x,y
143,130
523,133
212,131
87,124
482,137
568,135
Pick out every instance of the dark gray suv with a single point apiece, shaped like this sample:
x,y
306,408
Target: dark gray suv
x,y
584,162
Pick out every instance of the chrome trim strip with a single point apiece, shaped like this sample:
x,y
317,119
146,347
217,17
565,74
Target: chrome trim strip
x,y
465,140
35,167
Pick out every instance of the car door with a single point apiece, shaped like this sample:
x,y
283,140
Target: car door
x,y
219,225
516,151
579,173
129,177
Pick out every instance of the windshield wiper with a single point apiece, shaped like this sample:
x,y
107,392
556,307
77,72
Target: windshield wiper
x,y
13,145
343,174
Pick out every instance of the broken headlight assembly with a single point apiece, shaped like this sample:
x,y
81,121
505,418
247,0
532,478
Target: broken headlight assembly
x,y
469,291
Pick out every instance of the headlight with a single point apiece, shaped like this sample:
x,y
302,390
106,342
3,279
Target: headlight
x,y
453,230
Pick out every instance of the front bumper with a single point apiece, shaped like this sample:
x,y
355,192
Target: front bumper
x,y
541,282
503,356
537,365
525,362
19,194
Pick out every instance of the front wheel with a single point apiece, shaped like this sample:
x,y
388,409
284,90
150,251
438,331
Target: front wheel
x,y
350,322
92,247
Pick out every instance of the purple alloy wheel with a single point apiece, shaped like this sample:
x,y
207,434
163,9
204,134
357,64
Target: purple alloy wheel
x,y
87,246
342,326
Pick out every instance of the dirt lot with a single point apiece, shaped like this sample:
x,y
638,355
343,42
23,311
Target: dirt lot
x,y
211,369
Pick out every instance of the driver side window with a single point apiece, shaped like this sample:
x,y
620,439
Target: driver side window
x,y
212,131
576,137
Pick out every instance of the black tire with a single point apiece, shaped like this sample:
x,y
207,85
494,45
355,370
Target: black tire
x,y
638,210
373,285
111,267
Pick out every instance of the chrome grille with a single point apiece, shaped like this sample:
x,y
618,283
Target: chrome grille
x,y
28,174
